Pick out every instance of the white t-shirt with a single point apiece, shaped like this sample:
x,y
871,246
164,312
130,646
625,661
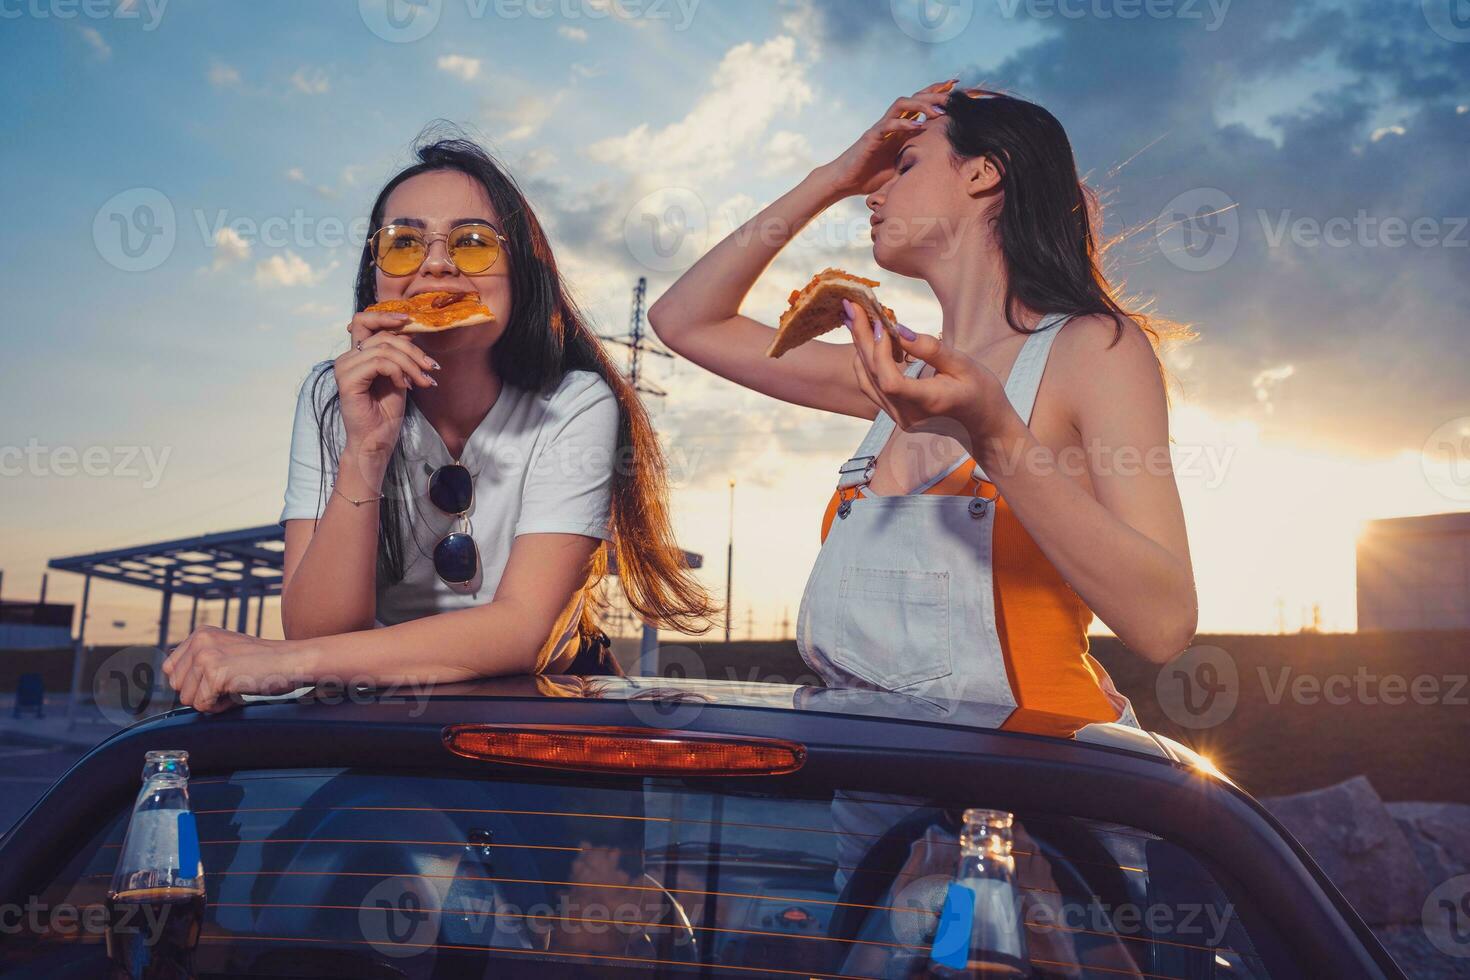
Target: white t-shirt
x,y
541,463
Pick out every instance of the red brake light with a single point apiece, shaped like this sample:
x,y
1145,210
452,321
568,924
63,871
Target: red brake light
x,y
592,748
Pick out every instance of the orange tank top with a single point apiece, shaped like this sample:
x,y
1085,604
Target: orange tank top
x,y
1041,622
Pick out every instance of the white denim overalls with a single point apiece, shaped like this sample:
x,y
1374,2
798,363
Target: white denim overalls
x,y
901,597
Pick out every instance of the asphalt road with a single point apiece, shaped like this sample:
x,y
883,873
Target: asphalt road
x,y
27,770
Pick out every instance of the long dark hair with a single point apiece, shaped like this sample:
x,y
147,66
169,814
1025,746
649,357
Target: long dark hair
x,y
546,336
1052,255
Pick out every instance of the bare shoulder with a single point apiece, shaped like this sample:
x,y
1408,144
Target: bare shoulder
x,y
1102,361
1097,335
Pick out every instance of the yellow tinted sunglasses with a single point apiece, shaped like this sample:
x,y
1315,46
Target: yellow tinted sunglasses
x,y
399,250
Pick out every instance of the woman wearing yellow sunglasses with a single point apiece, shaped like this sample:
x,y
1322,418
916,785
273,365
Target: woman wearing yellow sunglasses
x,y
455,489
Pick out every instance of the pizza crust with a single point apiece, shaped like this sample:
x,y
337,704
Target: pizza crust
x,y
816,309
414,326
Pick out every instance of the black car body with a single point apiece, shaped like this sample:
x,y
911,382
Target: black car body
x,y
360,836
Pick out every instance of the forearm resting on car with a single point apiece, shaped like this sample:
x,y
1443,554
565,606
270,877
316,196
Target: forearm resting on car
x,y
330,574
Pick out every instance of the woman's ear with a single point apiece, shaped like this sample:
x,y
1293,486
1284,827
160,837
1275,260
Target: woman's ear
x,y
981,176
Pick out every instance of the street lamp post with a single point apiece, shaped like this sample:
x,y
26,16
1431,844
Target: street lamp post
x,y
730,565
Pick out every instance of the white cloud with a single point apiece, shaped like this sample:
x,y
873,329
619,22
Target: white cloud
x,y
94,40
459,66
581,70
538,159
752,85
310,81
786,151
1265,383
731,213
523,113
298,176
222,75
802,21
229,249
1383,131
288,269
572,33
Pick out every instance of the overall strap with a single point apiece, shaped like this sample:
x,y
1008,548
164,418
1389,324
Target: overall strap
x,y
1025,377
1021,387
859,468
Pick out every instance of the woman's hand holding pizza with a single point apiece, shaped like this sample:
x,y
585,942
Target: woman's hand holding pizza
x,y
963,399
374,376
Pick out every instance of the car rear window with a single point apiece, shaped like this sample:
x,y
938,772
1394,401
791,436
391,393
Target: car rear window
x,y
353,873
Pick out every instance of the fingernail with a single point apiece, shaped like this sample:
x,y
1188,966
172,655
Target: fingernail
x,y
433,382
434,364
905,332
939,110
847,309
877,329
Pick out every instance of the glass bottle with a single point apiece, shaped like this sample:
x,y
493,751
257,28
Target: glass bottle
x,y
155,903
981,932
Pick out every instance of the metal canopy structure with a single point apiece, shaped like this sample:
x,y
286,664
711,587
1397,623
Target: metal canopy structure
x,y
242,565
210,566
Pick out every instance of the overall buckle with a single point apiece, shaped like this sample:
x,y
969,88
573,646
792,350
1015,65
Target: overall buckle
x,y
866,468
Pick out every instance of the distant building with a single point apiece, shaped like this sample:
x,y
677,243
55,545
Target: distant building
x,y
1414,573
35,625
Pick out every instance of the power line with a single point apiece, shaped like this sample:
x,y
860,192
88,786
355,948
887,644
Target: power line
x,y
639,344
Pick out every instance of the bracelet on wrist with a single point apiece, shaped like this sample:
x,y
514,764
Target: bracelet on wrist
x,y
355,503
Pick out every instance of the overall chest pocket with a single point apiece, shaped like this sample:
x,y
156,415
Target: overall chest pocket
x,y
893,626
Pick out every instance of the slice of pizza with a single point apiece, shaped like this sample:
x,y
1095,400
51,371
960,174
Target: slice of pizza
x,y
817,308
437,311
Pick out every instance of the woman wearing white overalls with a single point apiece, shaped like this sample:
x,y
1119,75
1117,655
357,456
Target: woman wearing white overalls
x,y
1030,486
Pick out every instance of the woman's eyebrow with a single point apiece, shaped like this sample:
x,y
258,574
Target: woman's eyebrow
x,y
420,223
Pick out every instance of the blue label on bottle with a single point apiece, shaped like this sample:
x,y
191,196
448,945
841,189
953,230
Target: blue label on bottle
x,y
952,939
188,846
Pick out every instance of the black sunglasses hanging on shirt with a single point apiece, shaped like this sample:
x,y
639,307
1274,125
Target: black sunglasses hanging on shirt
x,y
456,556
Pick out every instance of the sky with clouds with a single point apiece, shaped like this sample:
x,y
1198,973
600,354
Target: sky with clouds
x,y
193,178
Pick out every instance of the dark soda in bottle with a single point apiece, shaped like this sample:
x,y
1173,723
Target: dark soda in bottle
x,y
155,904
982,933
